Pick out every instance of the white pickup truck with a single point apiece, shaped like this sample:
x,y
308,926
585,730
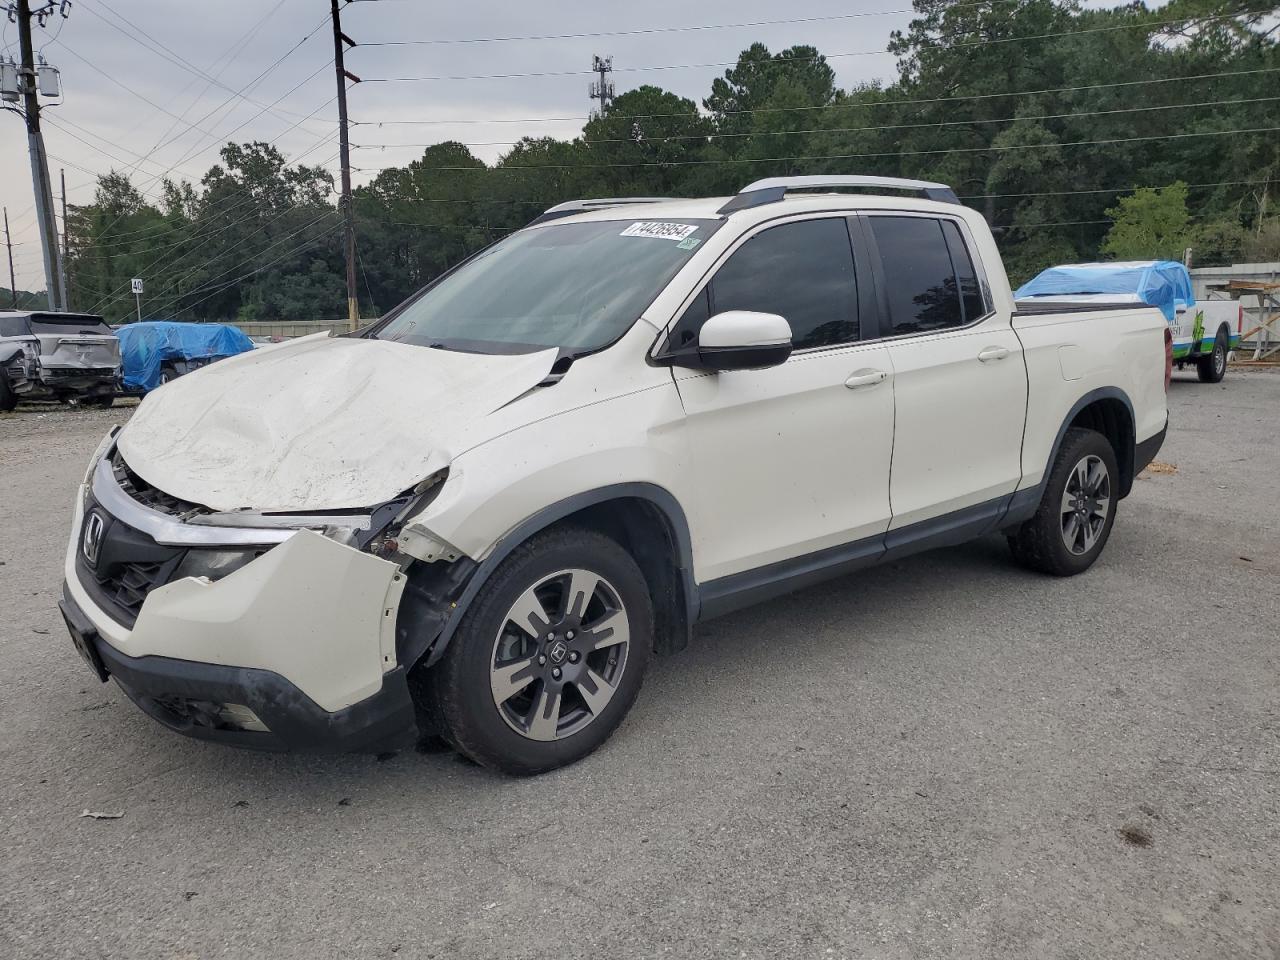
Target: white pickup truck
x,y
478,517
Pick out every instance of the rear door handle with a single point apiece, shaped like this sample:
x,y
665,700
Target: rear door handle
x,y
865,378
993,353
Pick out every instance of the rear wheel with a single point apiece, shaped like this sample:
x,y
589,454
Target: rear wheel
x,y
1213,368
1077,510
550,656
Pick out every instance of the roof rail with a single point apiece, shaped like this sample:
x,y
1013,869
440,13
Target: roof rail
x,y
570,207
773,189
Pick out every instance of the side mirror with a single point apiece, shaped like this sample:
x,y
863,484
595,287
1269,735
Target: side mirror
x,y
743,340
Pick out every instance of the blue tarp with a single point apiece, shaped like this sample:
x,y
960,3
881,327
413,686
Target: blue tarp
x,y
145,346
1161,283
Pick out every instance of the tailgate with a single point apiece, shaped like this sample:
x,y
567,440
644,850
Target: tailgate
x,y
78,351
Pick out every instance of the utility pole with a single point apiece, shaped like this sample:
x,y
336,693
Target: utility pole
x,y
348,213
602,89
66,251
35,146
13,284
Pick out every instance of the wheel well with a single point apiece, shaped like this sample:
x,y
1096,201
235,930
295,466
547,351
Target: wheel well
x,y
646,532
1111,418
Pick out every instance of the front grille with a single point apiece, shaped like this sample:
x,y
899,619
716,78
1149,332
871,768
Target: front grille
x,y
122,589
129,565
151,497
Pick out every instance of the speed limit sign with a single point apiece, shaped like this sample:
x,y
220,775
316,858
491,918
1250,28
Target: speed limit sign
x,y
135,285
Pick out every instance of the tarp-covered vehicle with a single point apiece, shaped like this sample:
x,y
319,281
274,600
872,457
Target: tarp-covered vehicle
x,y
157,351
72,357
1202,333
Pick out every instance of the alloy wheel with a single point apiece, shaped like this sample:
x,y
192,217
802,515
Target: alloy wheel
x,y
1219,359
1086,503
559,655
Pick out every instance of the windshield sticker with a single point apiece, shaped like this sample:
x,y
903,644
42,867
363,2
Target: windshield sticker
x,y
689,243
659,230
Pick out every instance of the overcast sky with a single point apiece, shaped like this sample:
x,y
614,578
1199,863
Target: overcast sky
x,y
130,108
130,103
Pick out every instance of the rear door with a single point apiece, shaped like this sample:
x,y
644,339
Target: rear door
x,y
960,383
793,459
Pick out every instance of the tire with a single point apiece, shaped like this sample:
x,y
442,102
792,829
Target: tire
x,y
580,676
8,399
1213,368
99,401
1050,541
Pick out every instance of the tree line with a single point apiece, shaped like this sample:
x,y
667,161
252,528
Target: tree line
x,y
1078,133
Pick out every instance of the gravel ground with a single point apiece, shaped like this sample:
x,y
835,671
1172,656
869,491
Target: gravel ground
x,y
945,757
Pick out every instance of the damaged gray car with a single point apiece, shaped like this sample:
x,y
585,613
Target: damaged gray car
x,y
69,357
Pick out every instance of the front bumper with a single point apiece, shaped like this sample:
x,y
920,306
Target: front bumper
x,y
192,698
304,636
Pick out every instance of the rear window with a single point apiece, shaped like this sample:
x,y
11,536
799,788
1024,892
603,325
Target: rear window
x,y
14,327
926,289
70,324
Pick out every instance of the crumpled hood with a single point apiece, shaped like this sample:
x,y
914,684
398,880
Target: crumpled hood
x,y
320,423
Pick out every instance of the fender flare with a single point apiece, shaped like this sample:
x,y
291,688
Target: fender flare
x,y
1025,502
659,497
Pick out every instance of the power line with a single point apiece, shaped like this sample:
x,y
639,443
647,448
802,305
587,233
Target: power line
x,y
847,104
891,126
202,234
1071,193
647,31
170,286
254,272
855,156
155,46
974,196
195,150
829,56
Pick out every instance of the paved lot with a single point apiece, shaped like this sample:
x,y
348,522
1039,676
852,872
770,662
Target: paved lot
x,y
940,758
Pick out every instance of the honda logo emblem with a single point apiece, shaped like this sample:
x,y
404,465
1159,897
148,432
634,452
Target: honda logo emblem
x,y
91,541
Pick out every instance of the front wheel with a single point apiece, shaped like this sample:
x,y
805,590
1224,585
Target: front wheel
x,y
1213,368
1077,510
550,656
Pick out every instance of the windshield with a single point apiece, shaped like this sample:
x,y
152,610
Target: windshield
x,y
574,286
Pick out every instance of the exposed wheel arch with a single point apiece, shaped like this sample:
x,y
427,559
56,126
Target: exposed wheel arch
x,y
1107,410
1111,415
646,519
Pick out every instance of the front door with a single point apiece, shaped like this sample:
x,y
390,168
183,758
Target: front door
x,y
793,459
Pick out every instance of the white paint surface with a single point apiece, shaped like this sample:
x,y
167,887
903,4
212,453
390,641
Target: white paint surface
x,y
321,424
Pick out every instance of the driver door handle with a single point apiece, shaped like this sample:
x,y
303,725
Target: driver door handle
x,y
865,378
993,353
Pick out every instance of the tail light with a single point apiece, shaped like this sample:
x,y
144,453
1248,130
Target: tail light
x,y
1168,358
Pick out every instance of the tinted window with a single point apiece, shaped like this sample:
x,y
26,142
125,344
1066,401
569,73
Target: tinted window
x,y
70,325
801,271
971,293
14,326
921,286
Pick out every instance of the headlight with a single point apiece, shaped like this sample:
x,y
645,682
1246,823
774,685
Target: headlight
x,y
215,564
374,532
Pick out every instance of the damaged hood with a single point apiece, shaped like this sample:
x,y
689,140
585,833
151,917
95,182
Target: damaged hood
x,y
321,423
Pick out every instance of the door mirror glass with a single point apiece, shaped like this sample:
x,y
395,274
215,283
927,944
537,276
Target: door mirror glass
x,y
743,340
